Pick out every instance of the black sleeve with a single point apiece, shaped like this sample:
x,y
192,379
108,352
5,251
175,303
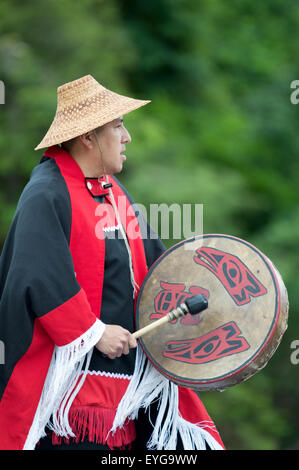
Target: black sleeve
x,y
36,263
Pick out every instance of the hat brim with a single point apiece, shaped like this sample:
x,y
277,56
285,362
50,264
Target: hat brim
x,y
75,121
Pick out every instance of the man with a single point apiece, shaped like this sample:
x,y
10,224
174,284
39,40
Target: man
x,y
70,274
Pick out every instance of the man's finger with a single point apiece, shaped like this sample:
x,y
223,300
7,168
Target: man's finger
x,y
132,342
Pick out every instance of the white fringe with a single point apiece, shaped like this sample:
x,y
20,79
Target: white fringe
x,y
60,386
148,385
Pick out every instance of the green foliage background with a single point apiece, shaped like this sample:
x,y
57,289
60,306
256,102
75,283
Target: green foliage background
x,y
221,130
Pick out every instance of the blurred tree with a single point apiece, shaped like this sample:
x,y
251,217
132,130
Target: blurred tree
x,y
42,45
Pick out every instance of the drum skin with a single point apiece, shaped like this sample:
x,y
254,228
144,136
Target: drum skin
x,y
239,331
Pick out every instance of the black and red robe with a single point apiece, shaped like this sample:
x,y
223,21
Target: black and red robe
x,y
60,282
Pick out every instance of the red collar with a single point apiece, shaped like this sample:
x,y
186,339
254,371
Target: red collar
x,y
95,186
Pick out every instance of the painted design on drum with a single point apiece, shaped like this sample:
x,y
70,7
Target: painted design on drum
x,y
171,296
235,276
218,343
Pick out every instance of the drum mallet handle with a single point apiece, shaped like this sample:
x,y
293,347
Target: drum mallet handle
x,y
193,305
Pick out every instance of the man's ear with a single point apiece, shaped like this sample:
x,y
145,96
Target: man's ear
x,y
86,140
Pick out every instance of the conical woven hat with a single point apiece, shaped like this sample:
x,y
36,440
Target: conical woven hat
x,y
84,105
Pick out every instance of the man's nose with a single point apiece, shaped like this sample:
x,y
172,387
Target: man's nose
x,y
126,136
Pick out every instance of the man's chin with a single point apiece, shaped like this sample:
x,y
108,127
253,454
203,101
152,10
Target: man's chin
x,y
114,171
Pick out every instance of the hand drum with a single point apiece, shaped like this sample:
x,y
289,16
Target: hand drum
x,y
240,330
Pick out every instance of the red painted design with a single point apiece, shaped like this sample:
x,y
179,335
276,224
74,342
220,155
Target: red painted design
x,y
235,276
221,342
171,296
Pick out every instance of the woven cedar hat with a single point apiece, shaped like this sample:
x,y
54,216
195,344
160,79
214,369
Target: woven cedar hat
x,y
84,105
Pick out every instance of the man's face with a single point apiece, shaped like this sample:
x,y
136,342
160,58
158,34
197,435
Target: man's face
x,y
113,138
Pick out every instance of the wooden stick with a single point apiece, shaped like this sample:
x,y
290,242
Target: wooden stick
x,y
193,305
173,315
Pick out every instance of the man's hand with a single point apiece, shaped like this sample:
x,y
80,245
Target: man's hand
x,y
116,341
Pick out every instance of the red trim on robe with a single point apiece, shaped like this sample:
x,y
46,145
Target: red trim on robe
x,y
88,251
23,391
